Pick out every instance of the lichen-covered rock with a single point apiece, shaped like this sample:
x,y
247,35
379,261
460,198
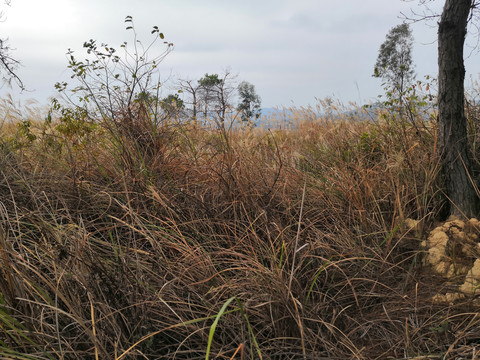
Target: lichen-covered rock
x,y
437,239
472,226
454,221
411,224
472,280
448,298
453,249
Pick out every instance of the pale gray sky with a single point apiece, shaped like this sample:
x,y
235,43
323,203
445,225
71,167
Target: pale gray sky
x,y
293,51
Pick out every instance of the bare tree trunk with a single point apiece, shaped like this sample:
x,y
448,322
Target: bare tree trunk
x,y
194,106
452,124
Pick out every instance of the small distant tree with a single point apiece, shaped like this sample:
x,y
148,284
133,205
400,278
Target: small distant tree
x,y
394,62
250,104
208,89
192,90
215,95
172,104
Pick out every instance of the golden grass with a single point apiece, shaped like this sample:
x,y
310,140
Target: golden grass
x,y
180,242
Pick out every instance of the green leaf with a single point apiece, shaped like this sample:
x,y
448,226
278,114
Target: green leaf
x,y
214,325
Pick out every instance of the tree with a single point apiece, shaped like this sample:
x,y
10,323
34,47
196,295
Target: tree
x,y
172,104
250,104
215,95
208,86
8,64
191,88
116,87
394,62
452,124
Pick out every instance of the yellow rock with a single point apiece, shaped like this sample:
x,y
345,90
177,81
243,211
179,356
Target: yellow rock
x,y
435,255
472,237
458,235
411,224
472,226
450,248
452,297
459,269
441,267
475,270
448,297
451,271
452,218
470,287
437,239
453,221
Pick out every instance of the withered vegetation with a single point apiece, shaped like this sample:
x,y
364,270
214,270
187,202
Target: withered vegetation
x,y
134,240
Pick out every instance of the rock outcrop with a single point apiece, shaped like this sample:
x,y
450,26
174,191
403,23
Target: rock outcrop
x,y
453,250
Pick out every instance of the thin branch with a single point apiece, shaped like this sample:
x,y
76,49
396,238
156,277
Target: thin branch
x,y
8,64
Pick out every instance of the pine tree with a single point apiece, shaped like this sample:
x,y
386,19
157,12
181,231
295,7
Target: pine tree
x,y
250,103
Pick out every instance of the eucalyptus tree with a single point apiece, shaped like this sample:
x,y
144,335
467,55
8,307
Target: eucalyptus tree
x,y
453,143
394,62
460,186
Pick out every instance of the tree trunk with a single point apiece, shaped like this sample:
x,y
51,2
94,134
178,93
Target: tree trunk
x,y
452,124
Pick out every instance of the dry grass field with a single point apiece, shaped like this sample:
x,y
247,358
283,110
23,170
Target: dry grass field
x,y
129,240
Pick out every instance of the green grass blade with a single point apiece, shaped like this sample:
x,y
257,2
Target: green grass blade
x,y
250,330
6,353
316,276
215,323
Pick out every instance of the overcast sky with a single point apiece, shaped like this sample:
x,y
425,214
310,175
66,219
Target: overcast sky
x,y
293,51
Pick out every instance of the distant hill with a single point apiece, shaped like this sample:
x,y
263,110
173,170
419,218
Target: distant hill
x,y
270,111
275,117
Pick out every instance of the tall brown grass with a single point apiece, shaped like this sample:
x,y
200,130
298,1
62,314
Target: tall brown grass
x,y
181,242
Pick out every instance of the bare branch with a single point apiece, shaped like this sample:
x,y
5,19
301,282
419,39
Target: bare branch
x,y
8,64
